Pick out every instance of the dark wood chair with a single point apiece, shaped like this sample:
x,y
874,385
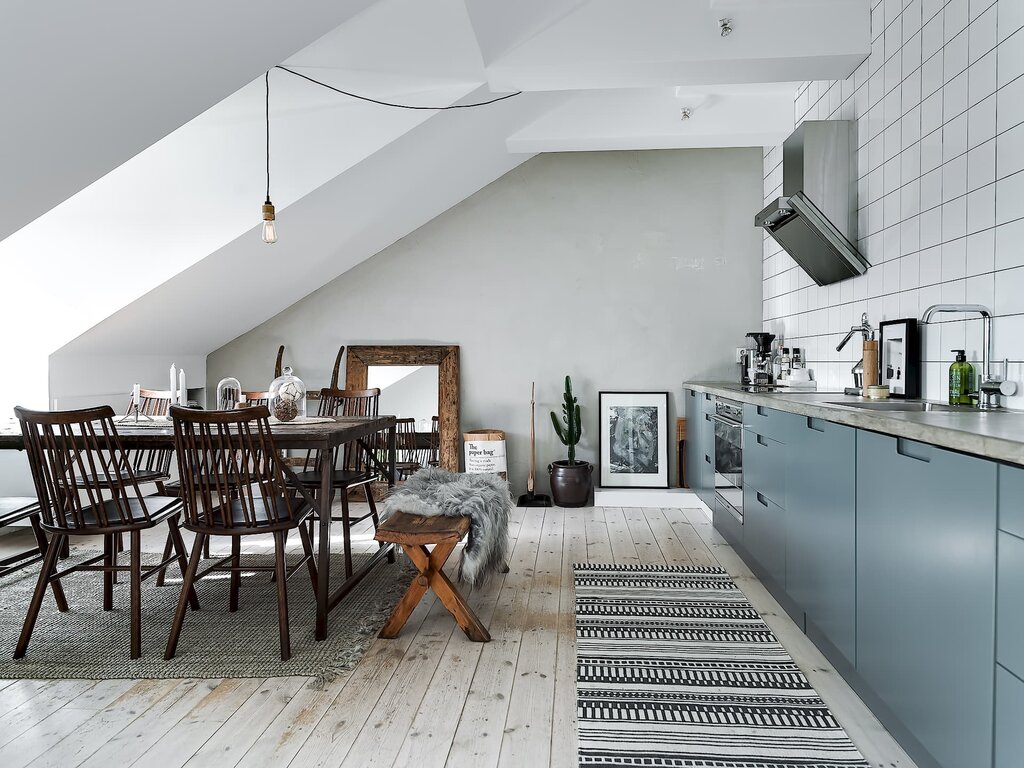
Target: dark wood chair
x,y
410,456
435,441
354,462
233,483
257,398
15,509
64,448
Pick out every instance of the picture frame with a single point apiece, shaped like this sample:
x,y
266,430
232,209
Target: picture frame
x,y
633,439
899,357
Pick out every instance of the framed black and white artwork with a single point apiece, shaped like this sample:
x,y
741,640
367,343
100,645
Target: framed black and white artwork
x,y
899,354
633,439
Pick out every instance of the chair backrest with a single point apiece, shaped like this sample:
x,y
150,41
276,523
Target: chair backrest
x,y
257,398
405,439
348,402
152,402
75,456
230,471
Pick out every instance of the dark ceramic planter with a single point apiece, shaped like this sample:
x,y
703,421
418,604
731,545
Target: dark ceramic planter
x,y
571,484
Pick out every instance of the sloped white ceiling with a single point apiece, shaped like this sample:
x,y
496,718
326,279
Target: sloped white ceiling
x,y
155,246
87,85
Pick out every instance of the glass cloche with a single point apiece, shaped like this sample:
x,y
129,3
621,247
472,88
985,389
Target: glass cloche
x,y
287,396
229,392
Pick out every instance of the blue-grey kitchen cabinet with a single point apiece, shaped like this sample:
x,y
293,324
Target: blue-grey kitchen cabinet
x,y
926,581
700,445
1009,720
820,535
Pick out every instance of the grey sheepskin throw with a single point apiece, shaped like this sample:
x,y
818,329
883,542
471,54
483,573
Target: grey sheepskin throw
x,y
485,498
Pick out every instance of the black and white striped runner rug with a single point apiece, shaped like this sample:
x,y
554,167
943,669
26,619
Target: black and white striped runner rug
x,y
675,669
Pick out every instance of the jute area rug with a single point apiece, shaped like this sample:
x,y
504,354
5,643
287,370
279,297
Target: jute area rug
x,y
88,642
676,669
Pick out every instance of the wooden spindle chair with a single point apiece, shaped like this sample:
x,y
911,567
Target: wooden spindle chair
x,y
435,441
233,484
77,459
354,463
409,454
257,398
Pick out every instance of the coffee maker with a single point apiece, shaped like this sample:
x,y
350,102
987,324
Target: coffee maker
x,y
762,376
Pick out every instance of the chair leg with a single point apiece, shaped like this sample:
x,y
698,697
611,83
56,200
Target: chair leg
x,y
345,532
307,551
135,574
376,521
174,536
236,575
206,549
117,545
167,553
65,548
109,560
44,545
49,563
187,584
282,597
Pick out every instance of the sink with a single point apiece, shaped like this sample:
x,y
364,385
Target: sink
x,y
912,406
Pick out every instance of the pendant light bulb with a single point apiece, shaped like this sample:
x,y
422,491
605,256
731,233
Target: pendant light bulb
x,y
269,225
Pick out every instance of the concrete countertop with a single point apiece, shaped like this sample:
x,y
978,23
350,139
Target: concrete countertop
x,y
995,435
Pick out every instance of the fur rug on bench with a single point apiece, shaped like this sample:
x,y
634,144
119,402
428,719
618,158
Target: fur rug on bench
x,y
486,499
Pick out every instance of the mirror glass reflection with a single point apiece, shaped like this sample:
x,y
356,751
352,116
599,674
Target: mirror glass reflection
x,y
406,391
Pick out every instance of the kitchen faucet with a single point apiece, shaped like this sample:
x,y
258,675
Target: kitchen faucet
x,y
867,333
990,386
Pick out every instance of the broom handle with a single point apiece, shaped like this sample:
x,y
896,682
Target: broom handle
x,y
533,453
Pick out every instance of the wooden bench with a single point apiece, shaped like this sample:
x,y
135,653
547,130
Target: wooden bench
x,y
415,533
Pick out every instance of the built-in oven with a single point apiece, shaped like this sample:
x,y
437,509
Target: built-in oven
x,y
728,419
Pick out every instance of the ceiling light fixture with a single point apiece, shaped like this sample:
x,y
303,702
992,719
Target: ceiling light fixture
x,y
725,25
685,113
269,226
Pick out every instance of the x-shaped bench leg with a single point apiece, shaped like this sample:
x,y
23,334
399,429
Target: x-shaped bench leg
x,y
429,563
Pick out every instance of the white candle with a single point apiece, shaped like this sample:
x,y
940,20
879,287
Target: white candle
x,y
136,392
174,382
182,390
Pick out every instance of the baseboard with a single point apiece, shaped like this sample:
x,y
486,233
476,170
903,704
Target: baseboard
x,y
647,497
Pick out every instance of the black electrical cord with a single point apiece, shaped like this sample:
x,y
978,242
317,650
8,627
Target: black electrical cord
x,y
397,106
267,80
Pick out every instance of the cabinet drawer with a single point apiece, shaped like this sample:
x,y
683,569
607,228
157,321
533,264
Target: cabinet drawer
x,y
707,402
764,534
1011,499
1010,605
764,466
1009,716
726,522
692,400
767,422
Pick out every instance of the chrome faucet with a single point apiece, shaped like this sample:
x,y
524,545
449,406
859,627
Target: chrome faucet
x,y
867,333
990,385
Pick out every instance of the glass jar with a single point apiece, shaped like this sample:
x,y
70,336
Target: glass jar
x,y
229,392
287,397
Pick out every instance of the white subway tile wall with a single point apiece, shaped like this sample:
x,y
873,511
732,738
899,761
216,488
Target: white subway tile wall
x,y
939,106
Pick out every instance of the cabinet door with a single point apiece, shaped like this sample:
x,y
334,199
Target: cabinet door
x,y
764,534
1009,717
694,452
926,553
821,507
707,466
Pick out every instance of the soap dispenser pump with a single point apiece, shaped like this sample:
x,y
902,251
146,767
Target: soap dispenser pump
x,y
961,379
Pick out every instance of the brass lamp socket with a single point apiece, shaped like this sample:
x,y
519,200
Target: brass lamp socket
x,y
268,211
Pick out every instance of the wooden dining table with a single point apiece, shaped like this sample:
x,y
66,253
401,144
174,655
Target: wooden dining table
x,y
322,437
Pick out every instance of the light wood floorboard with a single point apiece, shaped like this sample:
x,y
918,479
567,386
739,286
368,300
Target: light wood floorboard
x,y
427,699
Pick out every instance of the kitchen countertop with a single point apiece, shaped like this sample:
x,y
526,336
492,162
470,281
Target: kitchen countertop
x,y
995,435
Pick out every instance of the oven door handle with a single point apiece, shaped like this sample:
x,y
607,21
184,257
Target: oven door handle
x,y
727,422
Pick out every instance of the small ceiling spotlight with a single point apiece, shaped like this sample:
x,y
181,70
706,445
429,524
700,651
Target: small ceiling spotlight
x,y
725,25
685,113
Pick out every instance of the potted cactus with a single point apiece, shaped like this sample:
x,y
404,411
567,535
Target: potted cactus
x,y
571,480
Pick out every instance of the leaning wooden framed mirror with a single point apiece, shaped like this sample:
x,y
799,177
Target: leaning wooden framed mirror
x,y
410,374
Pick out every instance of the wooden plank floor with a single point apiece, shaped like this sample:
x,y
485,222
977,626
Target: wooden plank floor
x,y
428,698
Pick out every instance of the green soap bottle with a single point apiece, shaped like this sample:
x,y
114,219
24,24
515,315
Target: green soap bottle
x,y
961,379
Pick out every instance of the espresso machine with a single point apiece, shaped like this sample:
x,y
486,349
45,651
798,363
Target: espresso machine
x,y
760,372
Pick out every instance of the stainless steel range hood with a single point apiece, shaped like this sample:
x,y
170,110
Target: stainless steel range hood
x,y
815,220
